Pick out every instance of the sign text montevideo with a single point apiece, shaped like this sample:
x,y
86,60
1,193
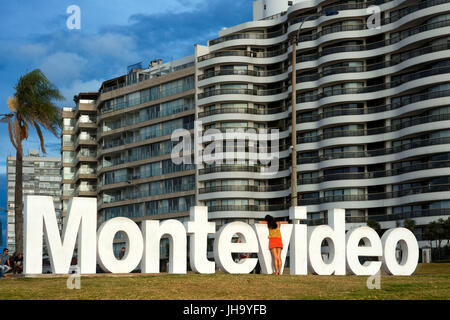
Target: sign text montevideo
x,y
143,244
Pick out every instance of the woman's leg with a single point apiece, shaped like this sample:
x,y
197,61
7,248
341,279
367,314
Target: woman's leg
x,y
274,260
279,260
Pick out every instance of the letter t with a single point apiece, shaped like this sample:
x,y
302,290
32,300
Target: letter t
x,y
198,229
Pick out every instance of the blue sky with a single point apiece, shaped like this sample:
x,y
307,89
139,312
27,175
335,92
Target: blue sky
x,y
113,35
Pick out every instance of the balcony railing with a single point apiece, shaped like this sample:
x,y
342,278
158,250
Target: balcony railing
x,y
374,153
230,72
376,174
135,194
244,188
259,111
257,208
376,196
331,29
253,92
368,132
386,217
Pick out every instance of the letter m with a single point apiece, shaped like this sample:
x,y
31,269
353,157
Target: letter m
x,y
81,222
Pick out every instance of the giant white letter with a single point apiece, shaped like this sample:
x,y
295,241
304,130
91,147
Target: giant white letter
x,y
133,240
410,252
223,248
153,231
299,242
81,220
335,236
198,229
372,248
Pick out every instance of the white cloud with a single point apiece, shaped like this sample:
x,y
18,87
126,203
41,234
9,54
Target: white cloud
x,y
110,45
78,86
31,50
63,66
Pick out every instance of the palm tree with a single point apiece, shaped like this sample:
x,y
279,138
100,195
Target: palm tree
x,y
409,224
32,106
374,225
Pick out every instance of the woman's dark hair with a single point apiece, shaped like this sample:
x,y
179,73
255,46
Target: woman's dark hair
x,y
271,222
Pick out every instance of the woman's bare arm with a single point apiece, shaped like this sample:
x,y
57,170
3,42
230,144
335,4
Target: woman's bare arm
x,y
264,222
283,222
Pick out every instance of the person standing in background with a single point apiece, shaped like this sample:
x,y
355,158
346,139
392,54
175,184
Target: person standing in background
x,y
5,265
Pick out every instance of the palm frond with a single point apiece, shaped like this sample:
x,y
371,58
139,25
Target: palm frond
x,y
24,131
11,133
35,96
41,137
12,104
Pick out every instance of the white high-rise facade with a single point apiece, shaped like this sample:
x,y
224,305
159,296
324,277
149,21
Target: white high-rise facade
x,y
373,110
41,176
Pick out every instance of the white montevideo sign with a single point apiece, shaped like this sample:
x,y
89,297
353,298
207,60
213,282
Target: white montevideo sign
x,y
143,244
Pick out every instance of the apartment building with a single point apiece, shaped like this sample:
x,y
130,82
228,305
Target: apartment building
x,y
79,149
41,176
372,119
117,146
372,110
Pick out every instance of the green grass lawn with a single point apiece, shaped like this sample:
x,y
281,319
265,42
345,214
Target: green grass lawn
x,y
430,281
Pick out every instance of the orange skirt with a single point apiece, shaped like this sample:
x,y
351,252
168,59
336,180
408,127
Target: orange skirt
x,y
275,243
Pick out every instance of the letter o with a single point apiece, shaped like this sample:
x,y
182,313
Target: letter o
x,y
133,238
410,252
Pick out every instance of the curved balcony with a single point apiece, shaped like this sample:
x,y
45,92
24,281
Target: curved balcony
x,y
331,92
377,174
240,168
255,208
374,153
241,53
368,132
244,188
332,29
377,196
251,73
378,109
253,111
251,92
386,217
140,195
380,44
384,86
373,67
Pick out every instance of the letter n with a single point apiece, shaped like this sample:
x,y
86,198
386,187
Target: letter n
x,y
81,221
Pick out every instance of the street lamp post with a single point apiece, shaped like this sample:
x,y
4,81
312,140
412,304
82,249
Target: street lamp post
x,y
295,40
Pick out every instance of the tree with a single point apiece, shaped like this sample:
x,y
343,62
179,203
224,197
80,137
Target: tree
x,y
409,224
374,225
435,231
440,232
32,106
429,232
447,230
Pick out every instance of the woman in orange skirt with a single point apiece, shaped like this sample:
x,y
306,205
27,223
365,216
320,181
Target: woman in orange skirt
x,y
275,241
